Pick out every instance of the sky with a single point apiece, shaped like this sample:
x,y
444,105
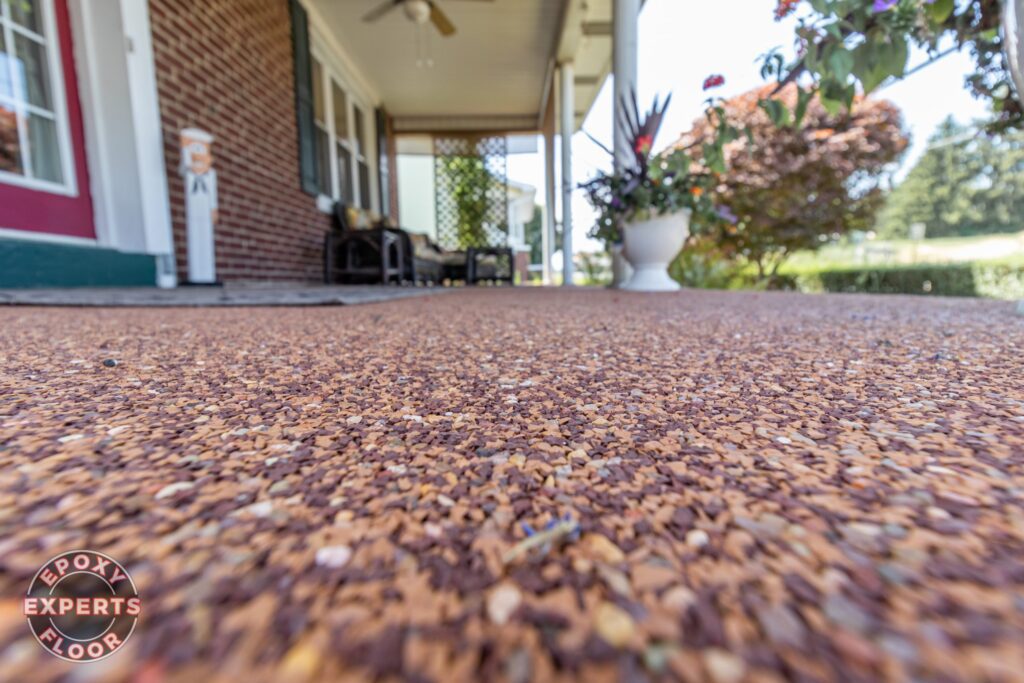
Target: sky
x,y
684,41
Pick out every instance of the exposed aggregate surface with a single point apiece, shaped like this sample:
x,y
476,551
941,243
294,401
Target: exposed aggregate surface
x,y
759,487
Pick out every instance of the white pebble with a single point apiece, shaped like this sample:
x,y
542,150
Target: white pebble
x,y
334,557
171,489
502,602
697,538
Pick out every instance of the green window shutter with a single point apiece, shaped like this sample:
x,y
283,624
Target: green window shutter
x,y
304,99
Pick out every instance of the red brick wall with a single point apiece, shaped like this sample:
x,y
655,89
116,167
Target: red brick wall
x,y
226,66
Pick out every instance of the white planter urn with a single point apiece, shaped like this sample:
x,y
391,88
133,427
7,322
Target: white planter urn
x,y
650,246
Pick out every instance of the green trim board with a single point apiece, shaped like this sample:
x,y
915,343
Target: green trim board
x,y
27,263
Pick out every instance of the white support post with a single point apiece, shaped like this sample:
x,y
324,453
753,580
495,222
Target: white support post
x,y
548,235
1013,38
123,136
625,43
568,115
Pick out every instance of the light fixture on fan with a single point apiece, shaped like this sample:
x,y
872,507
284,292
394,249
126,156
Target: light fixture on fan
x,y
418,12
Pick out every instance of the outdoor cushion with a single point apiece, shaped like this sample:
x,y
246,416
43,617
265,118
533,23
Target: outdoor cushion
x,y
425,250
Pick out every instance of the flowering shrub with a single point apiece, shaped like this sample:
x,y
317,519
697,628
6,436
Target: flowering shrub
x,y
845,43
790,187
661,184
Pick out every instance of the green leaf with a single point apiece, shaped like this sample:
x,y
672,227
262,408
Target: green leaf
x,y
876,60
714,158
840,62
939,11
802,101
894,57
833,107
776,111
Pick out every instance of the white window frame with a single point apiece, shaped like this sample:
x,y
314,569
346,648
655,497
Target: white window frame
x,y
332,74
51,41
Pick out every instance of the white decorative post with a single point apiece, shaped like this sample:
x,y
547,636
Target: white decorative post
x,y
548,235
625,44
568,111
1013,40
200,204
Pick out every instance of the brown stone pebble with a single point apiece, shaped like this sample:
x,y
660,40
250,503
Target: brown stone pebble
x,y
763,487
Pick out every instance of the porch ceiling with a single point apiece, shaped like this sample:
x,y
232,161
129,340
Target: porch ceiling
x,y
492,73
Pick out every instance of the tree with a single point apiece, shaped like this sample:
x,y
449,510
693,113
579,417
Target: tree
x,y
790,187
854,46
466,178
966,183
533,235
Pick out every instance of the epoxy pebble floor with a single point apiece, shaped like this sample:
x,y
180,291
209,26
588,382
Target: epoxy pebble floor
x,y
527,485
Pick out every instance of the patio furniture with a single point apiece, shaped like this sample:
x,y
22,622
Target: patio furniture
x,y
375,255
427,263
490,264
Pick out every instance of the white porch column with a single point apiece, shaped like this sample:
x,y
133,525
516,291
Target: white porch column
x,y
567,86
1013,36
625,42
123,137
548,234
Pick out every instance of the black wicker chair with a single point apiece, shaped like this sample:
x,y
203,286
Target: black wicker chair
x,y
369,256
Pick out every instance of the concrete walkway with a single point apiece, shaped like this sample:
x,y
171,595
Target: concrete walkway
x,y
236,295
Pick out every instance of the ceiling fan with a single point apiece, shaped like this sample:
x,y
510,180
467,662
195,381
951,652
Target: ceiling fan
x,y
419,12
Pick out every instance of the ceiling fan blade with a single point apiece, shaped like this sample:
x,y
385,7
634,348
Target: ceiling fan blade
x,y
382,9
440,21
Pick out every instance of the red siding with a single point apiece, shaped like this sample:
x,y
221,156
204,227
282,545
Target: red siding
x,y
38,211
226,66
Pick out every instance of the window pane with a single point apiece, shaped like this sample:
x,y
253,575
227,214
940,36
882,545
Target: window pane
x,y
319,108
345,175
44,148
340,111
31,78
360,144
364,186
26,13
323,161
6,87
10,148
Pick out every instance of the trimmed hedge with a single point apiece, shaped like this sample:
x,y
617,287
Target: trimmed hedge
x,y
993,280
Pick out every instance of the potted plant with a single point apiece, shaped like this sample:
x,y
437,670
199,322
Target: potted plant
x,y
649,204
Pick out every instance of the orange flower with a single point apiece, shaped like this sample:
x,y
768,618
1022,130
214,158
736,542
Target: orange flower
x,y
644,144
696,191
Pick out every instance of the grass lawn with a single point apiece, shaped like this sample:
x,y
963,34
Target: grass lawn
x,y
1005,248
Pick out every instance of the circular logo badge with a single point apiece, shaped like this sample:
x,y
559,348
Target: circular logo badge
x,y
82,606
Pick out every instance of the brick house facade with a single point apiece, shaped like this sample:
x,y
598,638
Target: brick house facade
x,y
235,57
146,70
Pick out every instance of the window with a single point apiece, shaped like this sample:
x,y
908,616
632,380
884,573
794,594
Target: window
x,y
342,139
34,147
344,151
361,161
323,137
